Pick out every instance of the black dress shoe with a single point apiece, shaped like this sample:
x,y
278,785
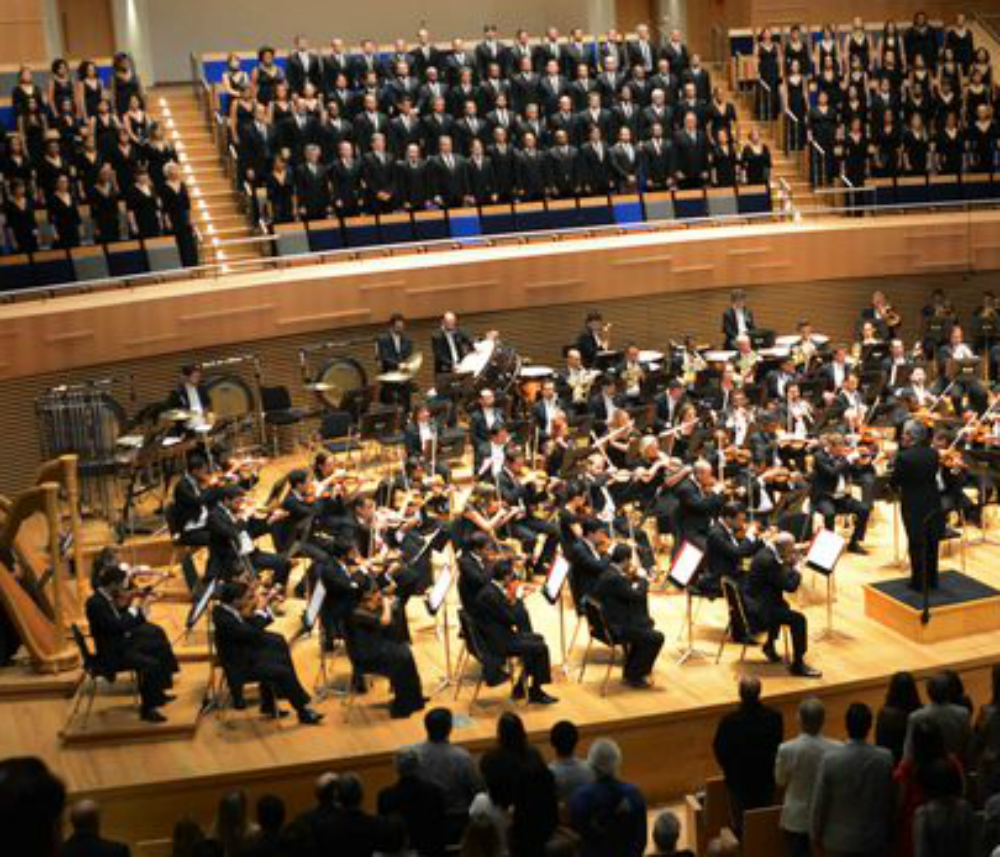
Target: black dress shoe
x,y
309,717
639,683
273,712
803,670
151,715
538,696
168,698
857,548
239,703
771,654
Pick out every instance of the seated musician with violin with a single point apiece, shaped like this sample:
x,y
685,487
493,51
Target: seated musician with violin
x,y
187,517
774,572
954,478
248,652
545,410
116,613
374,647
778,379
341,591
474,570
499,617
526,491
622,591
700,502
731,542
293,532
833,467
232,528
669,404
604,403
588,558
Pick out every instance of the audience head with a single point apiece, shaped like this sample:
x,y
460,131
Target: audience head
x,y
31,807
858,721
564,736
270,813
666,832
327,788
750,688
352,793
605,758
437,724
85,817
407,762
187,839
938,687
812,715
511,734
232,822
902,692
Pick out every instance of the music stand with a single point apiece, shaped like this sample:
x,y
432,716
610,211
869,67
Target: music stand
x,y
684,571
876,352
968,368
606,360
762,337
823,555
574,455
984,464
436,602
552,591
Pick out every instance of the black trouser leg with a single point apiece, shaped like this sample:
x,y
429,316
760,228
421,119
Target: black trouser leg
x,y
643,646
534,652
797,844
284,682
796,624
264,561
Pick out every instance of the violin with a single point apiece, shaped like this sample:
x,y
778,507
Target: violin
x,y
952,459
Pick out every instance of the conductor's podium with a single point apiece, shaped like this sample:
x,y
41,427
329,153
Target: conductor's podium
x,y
959,607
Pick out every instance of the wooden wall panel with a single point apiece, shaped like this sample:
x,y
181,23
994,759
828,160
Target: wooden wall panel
x,y
22,32
817,12
87,28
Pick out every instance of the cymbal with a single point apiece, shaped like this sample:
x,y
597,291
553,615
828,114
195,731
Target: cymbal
x,y
394,378
321,387
177,415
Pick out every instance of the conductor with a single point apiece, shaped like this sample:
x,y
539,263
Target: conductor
x,y
915,477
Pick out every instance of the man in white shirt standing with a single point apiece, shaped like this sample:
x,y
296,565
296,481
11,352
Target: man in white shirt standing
x,y
795,770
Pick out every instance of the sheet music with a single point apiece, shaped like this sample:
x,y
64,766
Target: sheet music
x,y
825,551
198,610
556,579
315,605
439,592
686,565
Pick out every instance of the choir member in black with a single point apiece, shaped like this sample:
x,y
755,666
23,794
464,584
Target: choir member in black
x,y
19,213
176,204
529,171
449,176
773,573
64,215
124,83
949,146
982,136
829,494
562,168
312,187
104,126
258,142
691,154
622,592
345,177
729,544
116,615
724,160
624,161
375,648
414,184
449,344
915,475
822,130
392,349
966,385
250,653
595,164
280,192
755,160
232,551
656,155
768,53
124,158
501,621
378,177
855,157
52,165
916,147
145,218
15,163
885,146
482,178
960,41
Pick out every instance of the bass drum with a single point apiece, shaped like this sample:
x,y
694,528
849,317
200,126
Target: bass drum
x,y
230,395
342,374
501,370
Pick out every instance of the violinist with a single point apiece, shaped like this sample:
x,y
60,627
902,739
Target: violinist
x,y
895,368
588,558
374,647
617,441
774,572
829,493
604,404
669,404
232,531
342,590
527,492
834,374
500,618
655,478
248,652
483,512
116,613
778,379
916,475
187,516
556,446
772,458
918,389
623,594
293,533
730,543
474,570
545,411
963,385
491,456
797,418
850,404
422,437
700,502
954,477
240,471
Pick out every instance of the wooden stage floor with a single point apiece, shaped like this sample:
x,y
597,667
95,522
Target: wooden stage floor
x,y
665,732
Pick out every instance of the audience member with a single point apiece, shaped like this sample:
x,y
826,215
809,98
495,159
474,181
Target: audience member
x,y
232,829
853,800
746,745
86,839
666,835
350,831
901,700
986,742
570,770
266,842
608,814
953,720
31,808
796,768
418,802
945,826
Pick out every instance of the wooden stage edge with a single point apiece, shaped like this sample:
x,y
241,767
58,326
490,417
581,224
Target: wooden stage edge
x,y
665,733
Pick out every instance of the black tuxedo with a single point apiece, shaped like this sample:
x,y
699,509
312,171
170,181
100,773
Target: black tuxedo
x,y
914,475
691,158
696,512
702,81
524,90
625,166
296,133
482,181
368,124
657,163
429,93
529,176
505,633
730,328
764,594
453,65
467,129
312,190
333,66
595,169
724,554
413,184
827,473
473,575
403,131
330,134
422,58
123,640
250,653
224,558
297,74
379,177
626,614
451,184
503,171
255,149
647,58
179,398
443,362
561,171
436,126
347,189
390,357
677,56
585,568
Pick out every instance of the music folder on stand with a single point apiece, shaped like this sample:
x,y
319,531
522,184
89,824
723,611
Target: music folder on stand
x,y
552,592
683,573
823,555
436,602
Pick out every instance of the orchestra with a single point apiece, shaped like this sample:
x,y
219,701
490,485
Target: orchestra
x,y
613,464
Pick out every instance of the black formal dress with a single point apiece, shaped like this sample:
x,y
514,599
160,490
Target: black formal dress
x,y
915,476
177,209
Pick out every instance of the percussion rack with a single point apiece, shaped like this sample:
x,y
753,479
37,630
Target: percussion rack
x,y
86,419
